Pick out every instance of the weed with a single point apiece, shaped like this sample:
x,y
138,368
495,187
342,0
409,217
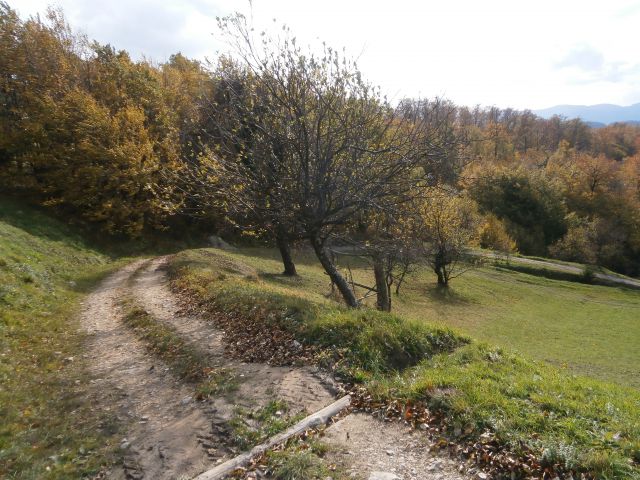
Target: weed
x,y
250,428
297,465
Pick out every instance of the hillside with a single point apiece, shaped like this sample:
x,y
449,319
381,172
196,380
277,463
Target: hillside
x,y
603,114
519,310
61,423
47,424
478,391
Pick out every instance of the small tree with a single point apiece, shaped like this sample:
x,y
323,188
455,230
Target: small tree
x,y
341,148
494,236
448,224
243,162
390,243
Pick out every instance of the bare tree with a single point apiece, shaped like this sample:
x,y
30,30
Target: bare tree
x,y
342,148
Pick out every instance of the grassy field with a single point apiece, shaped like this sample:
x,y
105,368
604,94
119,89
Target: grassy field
x,y
567,421
47,427
589,329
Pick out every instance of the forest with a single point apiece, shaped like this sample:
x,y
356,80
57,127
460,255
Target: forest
x,y
282,145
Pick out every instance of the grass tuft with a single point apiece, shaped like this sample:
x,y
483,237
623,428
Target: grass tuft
x,y
297,465
250,428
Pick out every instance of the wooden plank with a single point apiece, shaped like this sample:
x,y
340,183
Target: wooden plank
x,y
319,418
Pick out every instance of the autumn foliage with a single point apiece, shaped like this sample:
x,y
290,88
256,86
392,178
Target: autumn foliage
x,y
289,147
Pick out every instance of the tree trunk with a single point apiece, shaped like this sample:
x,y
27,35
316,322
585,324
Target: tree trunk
x,y
340,282
285,253
405,268
442,278
439,266
382,288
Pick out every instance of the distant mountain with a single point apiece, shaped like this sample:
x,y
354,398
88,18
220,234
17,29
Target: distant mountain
x,y
595,114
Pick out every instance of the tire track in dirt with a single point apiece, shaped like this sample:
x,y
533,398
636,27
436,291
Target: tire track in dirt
x,y
161,442
172,436
360,443
259,383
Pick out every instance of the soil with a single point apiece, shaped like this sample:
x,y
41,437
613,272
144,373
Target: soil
x,y
363,445
170,435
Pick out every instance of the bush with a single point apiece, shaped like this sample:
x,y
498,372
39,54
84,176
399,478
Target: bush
x,y
577,245
494,235
588,274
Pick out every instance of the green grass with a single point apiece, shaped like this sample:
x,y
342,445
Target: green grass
x,y
48,429
577,422
368,339
296,464
185,361
250,428
589,329
299,458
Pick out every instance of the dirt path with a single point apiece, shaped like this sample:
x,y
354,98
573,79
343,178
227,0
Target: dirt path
x,y
368,448
164,422
172,436
302,388
613,279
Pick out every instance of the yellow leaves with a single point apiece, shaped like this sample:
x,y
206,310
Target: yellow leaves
x,y
448,218
493,235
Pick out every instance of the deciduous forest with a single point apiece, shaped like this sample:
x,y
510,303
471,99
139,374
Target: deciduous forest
x,y
281,144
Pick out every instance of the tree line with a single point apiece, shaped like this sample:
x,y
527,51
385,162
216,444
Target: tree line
x,y
290,145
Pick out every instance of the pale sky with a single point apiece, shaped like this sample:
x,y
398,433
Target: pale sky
x,y
508,53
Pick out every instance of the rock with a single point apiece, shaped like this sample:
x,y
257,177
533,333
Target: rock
x,y
186,400
383,476
125,445
482,476
389,452
217,242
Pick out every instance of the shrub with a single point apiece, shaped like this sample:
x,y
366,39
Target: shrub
x,y
493,235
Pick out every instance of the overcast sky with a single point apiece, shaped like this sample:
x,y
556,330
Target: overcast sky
x,y
511,53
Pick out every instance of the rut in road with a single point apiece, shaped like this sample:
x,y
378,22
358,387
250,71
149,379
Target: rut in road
x,y
170,435
161,441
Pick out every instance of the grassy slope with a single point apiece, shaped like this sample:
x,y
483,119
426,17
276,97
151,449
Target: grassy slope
x,y
574,421
47,428
592,330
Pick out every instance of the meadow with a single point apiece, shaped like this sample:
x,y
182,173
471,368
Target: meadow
x,y
590,330
558,417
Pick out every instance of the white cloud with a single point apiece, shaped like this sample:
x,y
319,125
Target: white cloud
x,y
493,52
